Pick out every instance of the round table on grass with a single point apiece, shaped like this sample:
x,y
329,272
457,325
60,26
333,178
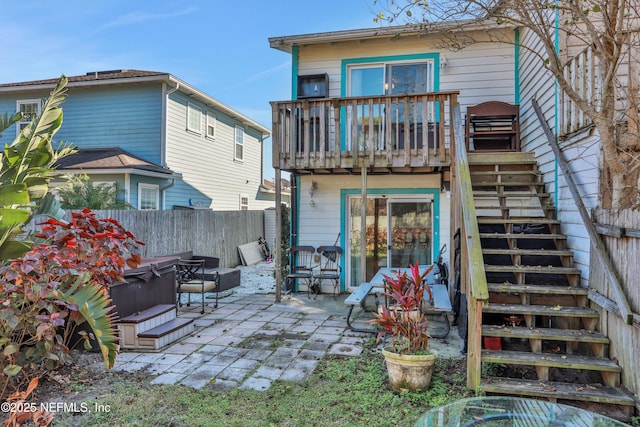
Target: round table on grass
x,y
512,412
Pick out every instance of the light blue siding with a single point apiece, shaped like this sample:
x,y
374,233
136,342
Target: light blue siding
x,y
128,116
182,194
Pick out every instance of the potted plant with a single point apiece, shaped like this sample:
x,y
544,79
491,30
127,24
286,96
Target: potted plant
x,y
409,362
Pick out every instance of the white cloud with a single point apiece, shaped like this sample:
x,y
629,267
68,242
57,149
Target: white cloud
x,y
140,17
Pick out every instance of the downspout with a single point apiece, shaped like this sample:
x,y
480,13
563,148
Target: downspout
x,y
555,114
262,139
164,194
165,124
127,185
295,202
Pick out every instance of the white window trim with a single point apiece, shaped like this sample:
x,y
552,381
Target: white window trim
x,y
20,102
242,205
191,108
143,186
211,125
235,143
383,65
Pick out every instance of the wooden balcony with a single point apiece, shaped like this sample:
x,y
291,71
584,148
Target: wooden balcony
x,y
391,133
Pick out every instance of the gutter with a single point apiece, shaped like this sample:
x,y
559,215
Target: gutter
x,y
131,171
165,125
285,43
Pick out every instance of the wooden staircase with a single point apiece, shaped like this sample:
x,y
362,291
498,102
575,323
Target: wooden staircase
x,y
550,346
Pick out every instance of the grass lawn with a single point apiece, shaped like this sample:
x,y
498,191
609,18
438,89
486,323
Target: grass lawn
x,y
343,391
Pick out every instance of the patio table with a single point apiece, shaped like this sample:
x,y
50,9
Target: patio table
x,y
439,305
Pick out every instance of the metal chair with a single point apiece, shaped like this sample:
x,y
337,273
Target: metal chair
x,y
329,268
301,267
191,278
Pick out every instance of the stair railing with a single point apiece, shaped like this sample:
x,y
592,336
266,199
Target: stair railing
x,y
623,309
472,275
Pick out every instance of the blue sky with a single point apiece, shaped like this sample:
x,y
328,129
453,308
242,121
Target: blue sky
x,y
220,47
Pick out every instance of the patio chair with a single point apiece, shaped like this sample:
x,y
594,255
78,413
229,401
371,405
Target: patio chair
x,y
301,267
329,269
191,279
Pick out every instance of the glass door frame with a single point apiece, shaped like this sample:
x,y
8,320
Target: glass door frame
x,y
391,193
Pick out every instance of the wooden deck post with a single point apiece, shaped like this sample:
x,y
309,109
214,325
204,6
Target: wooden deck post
x,y
278,249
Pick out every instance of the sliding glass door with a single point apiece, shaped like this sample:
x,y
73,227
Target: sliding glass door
x,y
399,232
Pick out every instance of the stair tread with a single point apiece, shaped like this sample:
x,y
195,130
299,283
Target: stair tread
x,y
580,335
484,207
147,314
541,310
519,251
531,269
536,289
531,194
166,328
505,172
570,361
517,220
570,391
495,183
522,236
497,159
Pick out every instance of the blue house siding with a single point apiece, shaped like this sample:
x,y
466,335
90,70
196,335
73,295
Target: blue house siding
x,y
145,114
182,194
215,171
129,117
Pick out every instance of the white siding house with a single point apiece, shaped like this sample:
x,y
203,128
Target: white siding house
x,y
325,206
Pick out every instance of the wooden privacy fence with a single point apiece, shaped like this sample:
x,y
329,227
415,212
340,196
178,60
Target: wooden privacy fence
x,y
620,232
211,233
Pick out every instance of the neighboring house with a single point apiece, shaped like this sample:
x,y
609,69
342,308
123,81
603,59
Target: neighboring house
x,y
166,143
373,116
268,189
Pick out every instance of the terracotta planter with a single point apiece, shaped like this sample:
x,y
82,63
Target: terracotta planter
x,y
492,343
408,371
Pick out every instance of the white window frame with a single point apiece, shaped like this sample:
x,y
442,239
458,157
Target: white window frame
x,y
194,113
211,126
238,143
244,202
25,122
141,188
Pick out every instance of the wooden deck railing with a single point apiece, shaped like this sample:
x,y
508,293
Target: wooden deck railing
x,y
581,71
391,131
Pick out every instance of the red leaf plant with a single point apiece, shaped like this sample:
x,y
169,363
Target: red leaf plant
x,y
56,286
403,320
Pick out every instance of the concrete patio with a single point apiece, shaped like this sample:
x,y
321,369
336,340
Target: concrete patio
x,y
249,341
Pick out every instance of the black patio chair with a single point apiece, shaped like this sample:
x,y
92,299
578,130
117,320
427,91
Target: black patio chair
x,y
330,269
301,268
191,278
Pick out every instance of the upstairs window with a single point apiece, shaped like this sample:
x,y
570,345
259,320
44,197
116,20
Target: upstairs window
x,y
29,108
393,78
194,118
239,151
211,126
